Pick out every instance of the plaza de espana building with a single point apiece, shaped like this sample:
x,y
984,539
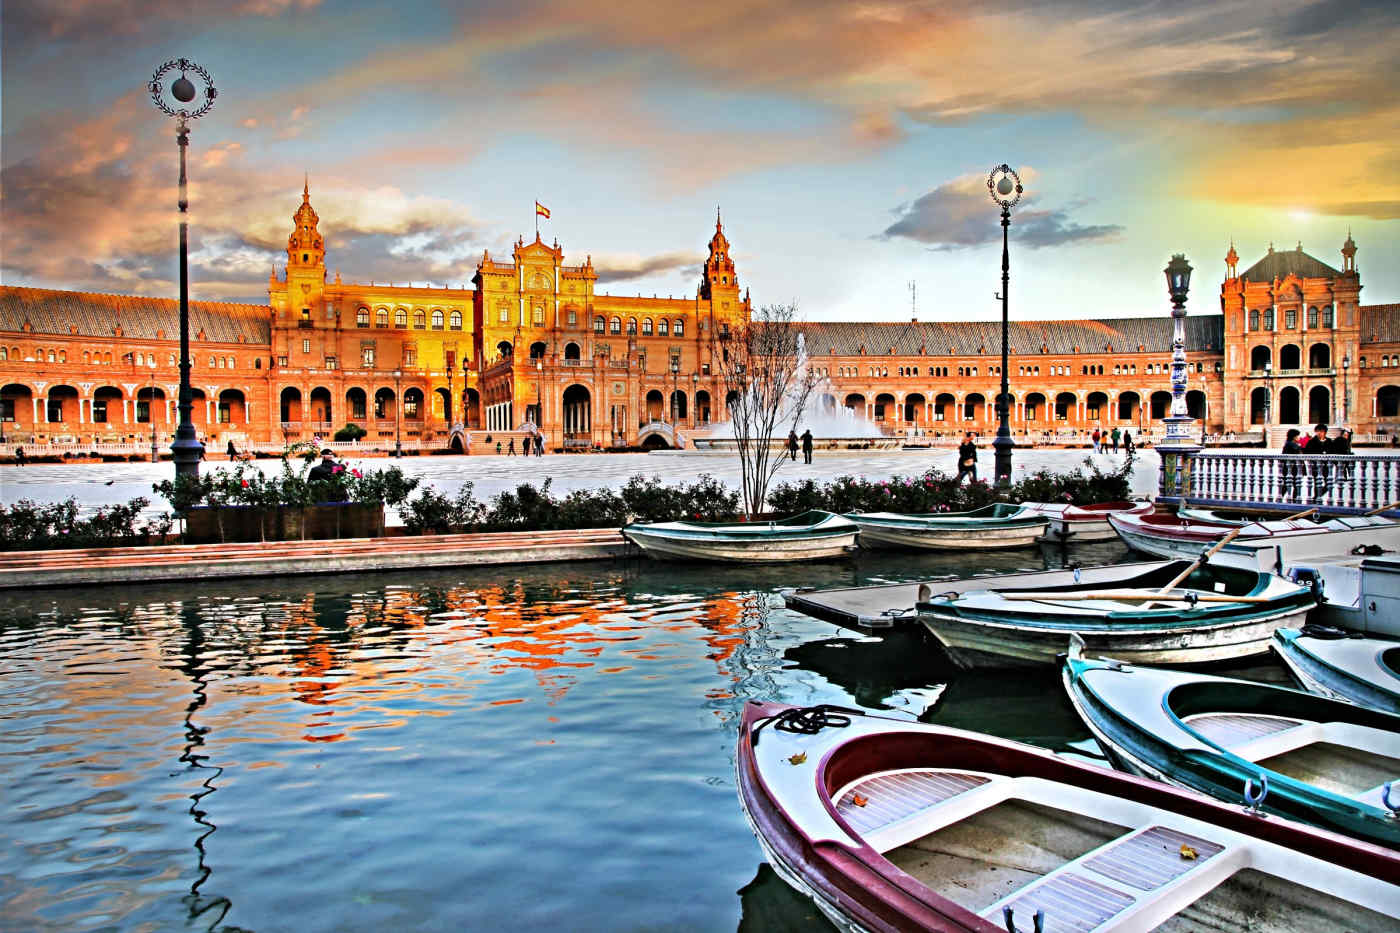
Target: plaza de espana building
x,y
533,342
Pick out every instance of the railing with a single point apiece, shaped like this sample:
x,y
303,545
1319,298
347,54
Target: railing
x,y
1335,483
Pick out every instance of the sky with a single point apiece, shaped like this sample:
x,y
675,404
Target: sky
x,y
847,145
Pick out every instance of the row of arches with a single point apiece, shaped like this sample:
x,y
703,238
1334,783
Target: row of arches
x,y
662,327
916,409
451,320
1290,357
358,404
109,407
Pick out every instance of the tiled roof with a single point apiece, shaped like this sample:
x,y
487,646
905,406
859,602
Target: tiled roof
x,y
50,311
1124,335
1277,264
1380,324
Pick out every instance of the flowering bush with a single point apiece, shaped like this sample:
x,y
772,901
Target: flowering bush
x,y
30,526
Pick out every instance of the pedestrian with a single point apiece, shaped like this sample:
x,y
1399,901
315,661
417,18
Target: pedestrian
x,y
792,445
331,473
1097,437
1128,442
1341,447
232,450
1317,447
967,459
1113,437
1289,471
20,458
498,448
807,446
539,445
511,449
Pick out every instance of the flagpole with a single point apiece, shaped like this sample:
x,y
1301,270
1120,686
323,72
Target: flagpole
x,y
537,219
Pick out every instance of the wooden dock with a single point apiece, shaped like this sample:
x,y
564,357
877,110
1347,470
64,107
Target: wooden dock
x,y
163,563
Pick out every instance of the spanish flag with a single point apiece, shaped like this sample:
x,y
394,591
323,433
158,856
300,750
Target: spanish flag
x,y
541,210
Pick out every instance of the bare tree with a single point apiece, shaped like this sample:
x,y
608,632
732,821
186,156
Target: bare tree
x,y
767,383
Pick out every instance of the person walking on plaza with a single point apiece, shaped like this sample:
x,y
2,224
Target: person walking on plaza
x,y
1097,438
539,445
1113,437
792,445
967,459
1127,442
20,458
511,449
232,450
807,446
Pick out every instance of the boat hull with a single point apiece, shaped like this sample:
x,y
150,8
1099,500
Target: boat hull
x,y
977,643
825,547
1343,669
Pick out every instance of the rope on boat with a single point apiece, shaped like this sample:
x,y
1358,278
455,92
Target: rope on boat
x,y
1394,808
809,720
1255,798
1008,914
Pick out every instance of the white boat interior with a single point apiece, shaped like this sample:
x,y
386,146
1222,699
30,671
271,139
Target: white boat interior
x,y
990,841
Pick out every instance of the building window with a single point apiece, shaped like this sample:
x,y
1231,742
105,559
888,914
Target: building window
x,y
455,320
410,356
99,411
537,317
598,325
420,320
1254,319
305,345
367,357
1269,319
330,362
362,317
400,317
503,314
381,317
224,415
1290,318
437,319
257,362
55,412
663,327
306,315
357,407
282,361
410,407
573,317
615,325
1327,316
143,411
646,327
678,329
631,325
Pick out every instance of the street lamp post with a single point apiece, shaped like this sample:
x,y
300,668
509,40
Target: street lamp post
x,y
1346,387
151,412
1179,443
1205,409
1004,185
398,411
186,450
675,375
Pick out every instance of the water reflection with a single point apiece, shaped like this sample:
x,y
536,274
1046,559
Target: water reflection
x,y
386,751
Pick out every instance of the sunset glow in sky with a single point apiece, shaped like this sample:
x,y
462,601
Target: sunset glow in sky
x,y
847,143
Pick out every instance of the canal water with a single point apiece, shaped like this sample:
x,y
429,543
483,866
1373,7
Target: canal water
x,y
501,749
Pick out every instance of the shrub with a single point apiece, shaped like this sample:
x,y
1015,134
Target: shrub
x,y
28,526
433,511
351,432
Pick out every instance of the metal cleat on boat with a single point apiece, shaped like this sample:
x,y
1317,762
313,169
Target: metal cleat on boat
x,y
1255,798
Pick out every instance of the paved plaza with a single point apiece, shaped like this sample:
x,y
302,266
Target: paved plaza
x,y
95,484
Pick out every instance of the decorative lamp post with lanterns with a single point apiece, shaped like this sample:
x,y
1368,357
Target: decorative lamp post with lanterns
x,y
175,101
1346,388
1180,441
1004,185
398,411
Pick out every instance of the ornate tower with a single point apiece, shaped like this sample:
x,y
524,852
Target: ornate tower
x,y
305,250
719,281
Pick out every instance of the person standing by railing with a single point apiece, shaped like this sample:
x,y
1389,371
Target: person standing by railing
x,y
1288,472
1340,446
1317,446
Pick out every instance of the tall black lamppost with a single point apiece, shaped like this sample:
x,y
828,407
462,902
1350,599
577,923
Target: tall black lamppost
x,y
1004,185
186,450
1346,387
398,411
675,376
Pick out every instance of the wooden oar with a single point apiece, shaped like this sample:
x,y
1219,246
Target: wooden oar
x,y
1384,508
1137,597
1201,560
1303,514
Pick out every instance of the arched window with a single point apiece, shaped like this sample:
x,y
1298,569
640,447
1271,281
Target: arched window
x,y
455,321
400,317
598,325
631,325
678,328
1254,319
1327,316
219,362
663,327
615,325
538,317
437,319
381,317
420,319
1312,317
212,364
646,327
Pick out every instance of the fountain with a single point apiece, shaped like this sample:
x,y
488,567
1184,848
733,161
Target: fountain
x,y
833,427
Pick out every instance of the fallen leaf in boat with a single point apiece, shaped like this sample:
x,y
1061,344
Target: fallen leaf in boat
x,y
1187,852
858,800
798,758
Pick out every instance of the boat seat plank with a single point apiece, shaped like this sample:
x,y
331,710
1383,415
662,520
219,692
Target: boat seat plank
x,y
1151,859
1072,903
895,796
1234,729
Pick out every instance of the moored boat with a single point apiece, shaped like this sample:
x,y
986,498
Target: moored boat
x,y
1294,754
1170,536
895,825
1145,615
1343,665
999,525
1083,522
809,536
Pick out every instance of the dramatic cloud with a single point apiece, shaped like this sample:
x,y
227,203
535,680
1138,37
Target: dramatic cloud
x,y
47,20
959,214
625,268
